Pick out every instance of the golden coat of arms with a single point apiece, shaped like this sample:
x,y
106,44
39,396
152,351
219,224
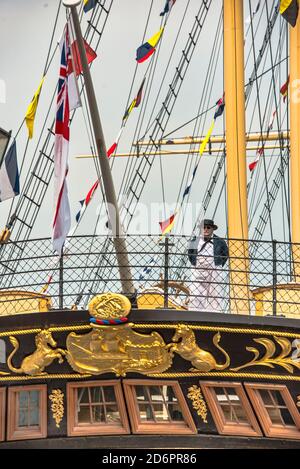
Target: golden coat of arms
x,y
117,349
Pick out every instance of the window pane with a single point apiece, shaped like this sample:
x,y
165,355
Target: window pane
x,y
141,393
23,418
266,396
168,394
161,414
175,412
34,417
287,418
98,414
274,415
280,417
276,407
109,394
241,414
29,408
23,399
229,413
226,395
96,394
156,392
83,414
145,412
93,410
34,398
234,414
277,396
82,395
112,414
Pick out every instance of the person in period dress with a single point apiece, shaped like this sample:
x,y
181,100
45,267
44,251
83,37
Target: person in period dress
x,y
208,254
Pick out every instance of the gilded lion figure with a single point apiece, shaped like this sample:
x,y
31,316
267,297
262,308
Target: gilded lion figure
x,y
43,356
185,345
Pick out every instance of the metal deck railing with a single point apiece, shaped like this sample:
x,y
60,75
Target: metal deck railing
x,y
260,277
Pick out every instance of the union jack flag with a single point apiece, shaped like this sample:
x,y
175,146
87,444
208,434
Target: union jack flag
x,y
62,215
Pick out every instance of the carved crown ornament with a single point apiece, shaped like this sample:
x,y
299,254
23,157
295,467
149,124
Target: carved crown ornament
x,y
119,348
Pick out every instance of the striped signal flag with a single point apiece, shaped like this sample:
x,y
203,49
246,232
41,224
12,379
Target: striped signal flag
x,y
148,48
167,225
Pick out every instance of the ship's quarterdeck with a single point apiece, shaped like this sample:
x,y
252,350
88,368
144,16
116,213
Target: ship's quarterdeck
x,y
128,372
190,341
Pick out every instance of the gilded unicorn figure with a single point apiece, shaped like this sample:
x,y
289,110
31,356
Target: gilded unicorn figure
x,y
43,356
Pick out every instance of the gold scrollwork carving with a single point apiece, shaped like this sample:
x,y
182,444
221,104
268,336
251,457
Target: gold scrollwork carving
x,y
184,343
57,406
43,356
285,359
198,402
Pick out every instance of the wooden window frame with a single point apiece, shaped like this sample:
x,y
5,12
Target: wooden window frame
x,y
230,428
14,432
273,430
101,429
180,428
2,413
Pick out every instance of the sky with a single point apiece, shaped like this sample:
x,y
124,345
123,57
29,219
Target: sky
x,y
25,32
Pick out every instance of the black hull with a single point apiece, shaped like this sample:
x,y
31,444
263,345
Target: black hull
x,y
236,333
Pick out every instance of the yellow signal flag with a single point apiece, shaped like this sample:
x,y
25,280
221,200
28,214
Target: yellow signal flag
x,y
31,110
207,137
154,39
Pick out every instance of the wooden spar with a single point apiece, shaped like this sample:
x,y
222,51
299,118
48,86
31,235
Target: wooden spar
x,y
295,144
112,205
236,155
217,152
252,137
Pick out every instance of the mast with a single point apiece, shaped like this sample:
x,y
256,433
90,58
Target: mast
x,y
295,144
113,210
236,155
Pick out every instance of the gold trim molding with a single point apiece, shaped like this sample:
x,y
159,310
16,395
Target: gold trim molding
x,y
57,406
212,374
157,326
46,376
195,395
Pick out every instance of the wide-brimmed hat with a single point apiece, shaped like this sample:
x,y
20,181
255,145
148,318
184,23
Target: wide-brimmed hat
x,y
211,223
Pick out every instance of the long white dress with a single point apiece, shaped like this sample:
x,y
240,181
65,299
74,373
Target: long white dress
x,y
206,280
